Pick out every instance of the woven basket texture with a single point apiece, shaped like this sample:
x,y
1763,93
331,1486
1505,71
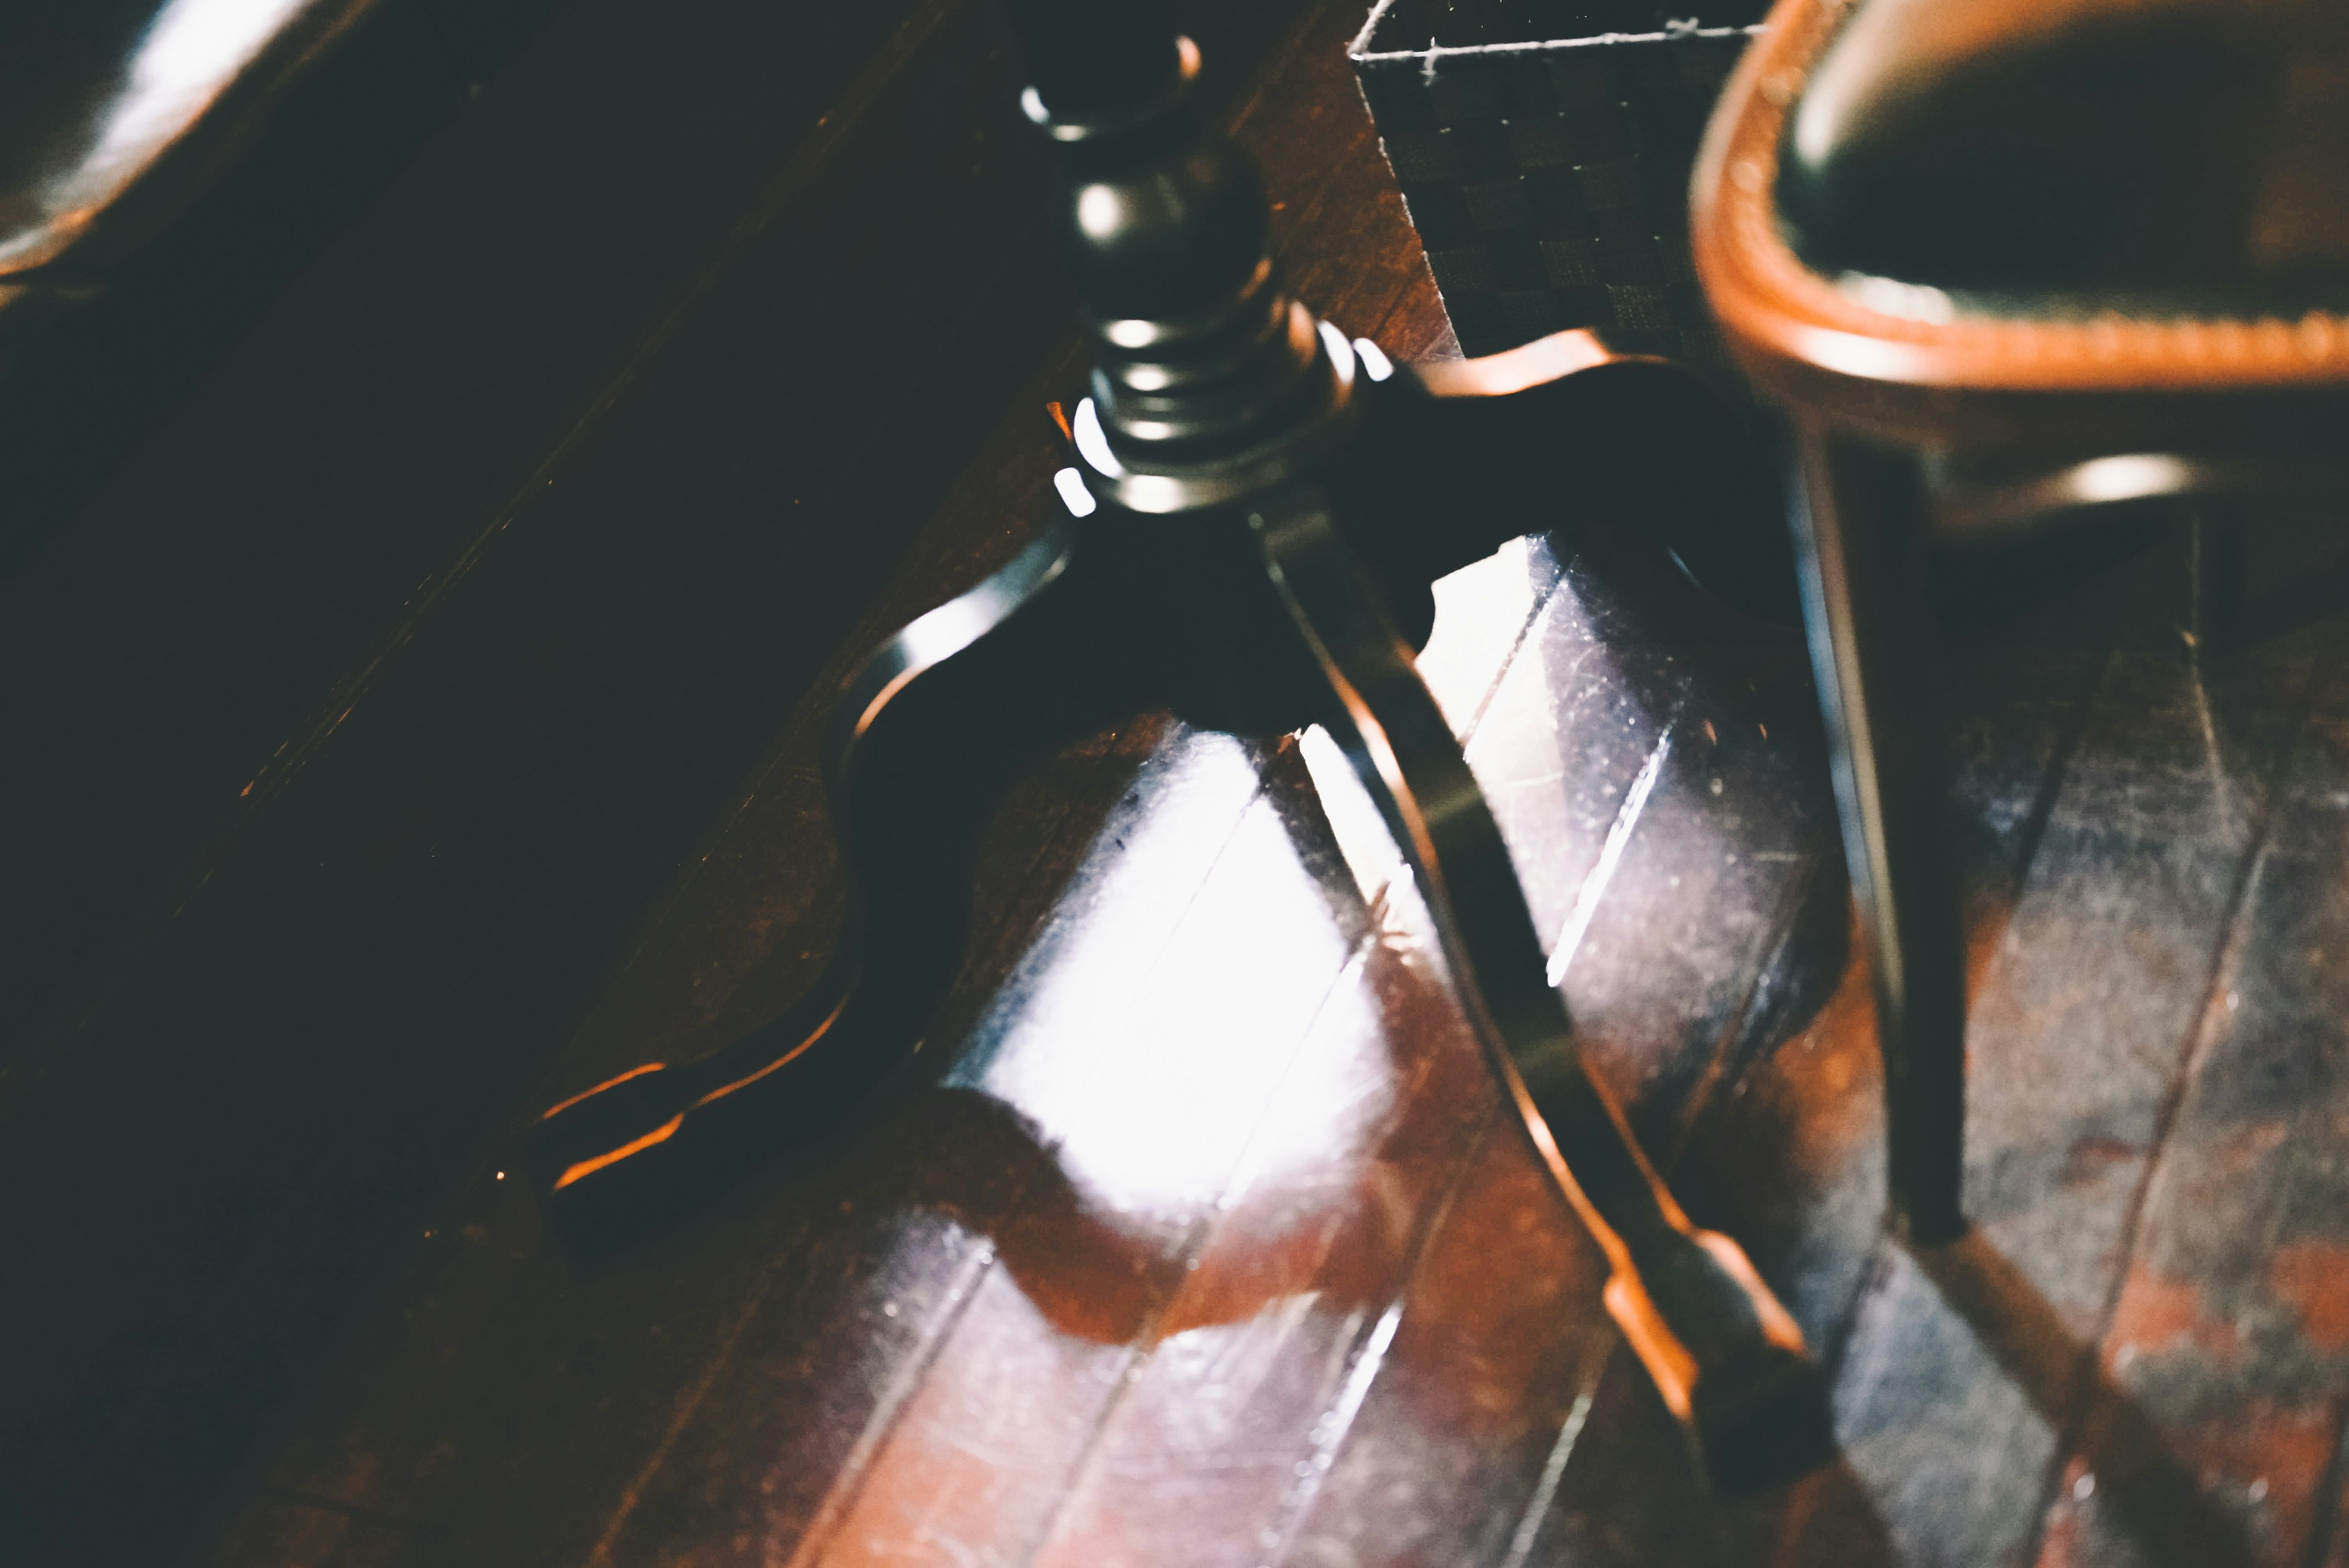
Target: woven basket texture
x,y
1544,148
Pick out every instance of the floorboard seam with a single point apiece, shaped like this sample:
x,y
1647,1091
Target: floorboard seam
x,y
2326,1517
373,1518
1478,1135
2059,765
2274,776
681,1415
1871,1278
1296,1508
2042,810
1374,910
960,1013
840,1498
1563,1447
1195,1242
806,165
1739,1045
1277,61
1533,618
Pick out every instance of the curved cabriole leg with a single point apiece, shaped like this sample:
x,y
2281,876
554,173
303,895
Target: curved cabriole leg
x,y
921,743
1723,1353
1457,458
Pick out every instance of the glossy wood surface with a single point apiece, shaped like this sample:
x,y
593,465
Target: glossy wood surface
x,y
375,698
1250,1269
1208,1244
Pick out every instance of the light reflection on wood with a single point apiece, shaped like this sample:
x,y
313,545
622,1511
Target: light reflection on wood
x,y
1229,1149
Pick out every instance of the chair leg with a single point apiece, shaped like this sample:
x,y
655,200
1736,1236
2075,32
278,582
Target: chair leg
x,y
1857,517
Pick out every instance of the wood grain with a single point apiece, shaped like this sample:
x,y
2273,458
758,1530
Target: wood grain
x,y
2220,1370
375,712
1203,1242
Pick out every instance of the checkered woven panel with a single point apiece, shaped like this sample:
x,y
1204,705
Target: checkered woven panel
x,y
1550,184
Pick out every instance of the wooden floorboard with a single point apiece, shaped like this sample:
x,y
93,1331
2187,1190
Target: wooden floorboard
x,y
390,682
1951,1403
2223,1365
1603,751
1208,1242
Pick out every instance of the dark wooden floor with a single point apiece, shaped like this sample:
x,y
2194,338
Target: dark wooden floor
x,y
1207,1246
1210,1248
